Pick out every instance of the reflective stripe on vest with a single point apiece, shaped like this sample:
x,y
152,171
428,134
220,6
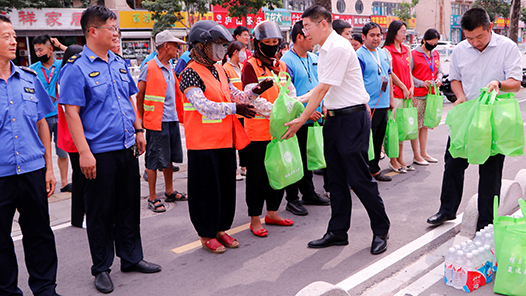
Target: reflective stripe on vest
x,y
154,97
200,135
256,128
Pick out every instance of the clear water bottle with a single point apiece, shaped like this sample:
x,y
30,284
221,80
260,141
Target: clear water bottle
x,y
464,247
478,237
448,267
490,263
459,272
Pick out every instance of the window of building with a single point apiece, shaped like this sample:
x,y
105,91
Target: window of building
x,y
340,6
455,9
384,8
298,5
358,6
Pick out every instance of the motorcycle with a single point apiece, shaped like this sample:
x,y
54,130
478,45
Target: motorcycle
x,y
446,90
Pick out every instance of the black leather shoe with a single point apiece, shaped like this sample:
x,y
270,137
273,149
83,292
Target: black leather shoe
x,y
144,267
379,244
317,200
438,219
296,207
328,239
103,282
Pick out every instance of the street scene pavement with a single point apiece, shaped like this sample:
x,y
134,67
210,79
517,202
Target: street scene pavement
x,y
281,264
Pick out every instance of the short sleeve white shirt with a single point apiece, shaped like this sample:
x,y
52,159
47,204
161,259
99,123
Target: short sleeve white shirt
x,y
500,60
339,67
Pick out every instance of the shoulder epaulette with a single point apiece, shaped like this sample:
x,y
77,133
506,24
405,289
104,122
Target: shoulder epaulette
x,y
29,70
74,57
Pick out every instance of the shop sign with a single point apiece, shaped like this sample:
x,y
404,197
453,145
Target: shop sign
x,y
345,17
501,23
359,21
295,17
220,16
133,19
455,21
381,20
46,19
278,16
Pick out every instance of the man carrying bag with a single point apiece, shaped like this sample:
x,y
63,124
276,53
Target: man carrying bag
x,y
483,59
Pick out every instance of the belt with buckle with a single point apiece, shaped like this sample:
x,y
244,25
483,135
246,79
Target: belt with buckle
x,y
346,110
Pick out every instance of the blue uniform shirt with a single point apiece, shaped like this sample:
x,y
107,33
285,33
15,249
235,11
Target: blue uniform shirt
x,y
52,75
169,112
181,62
102,90
371,78
23,102
148,58
300,70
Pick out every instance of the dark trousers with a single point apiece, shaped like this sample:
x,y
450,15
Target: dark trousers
x,y
490,180
27,193
112,202
346,139
77,194
305,185
258,189
242,153
212,187
378,127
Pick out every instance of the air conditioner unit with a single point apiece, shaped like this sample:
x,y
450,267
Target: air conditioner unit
x,y
23,52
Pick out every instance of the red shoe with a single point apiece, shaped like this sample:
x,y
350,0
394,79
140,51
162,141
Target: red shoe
x,y
228,241
261,233
213,246
284,222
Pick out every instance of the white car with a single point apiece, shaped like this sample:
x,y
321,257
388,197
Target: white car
x,y
445,46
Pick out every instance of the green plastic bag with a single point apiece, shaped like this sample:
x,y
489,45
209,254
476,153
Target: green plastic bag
x,y
315,157
457,121
284,109
370,152
478,138
510,251
391,143
283,163
433,112
507,126
407,119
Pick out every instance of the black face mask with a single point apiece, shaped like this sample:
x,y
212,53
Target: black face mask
x,y
430,47
268,50
43,58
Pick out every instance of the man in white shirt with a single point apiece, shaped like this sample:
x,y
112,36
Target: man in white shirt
x,y
484,59
346,132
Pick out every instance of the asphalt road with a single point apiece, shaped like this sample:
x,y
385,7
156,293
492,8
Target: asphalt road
x,y
280,264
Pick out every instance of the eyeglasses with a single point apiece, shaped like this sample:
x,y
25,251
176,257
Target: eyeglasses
x,y
305,30
112,29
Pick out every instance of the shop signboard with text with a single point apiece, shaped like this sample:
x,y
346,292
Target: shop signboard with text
x,y
220,16
143,19
45,19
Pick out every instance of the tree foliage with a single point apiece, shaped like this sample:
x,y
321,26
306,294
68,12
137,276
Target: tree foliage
x,y
325,3
404,11
494,8
166,13
242,8
523,14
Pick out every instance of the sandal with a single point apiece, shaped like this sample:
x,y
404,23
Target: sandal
x,y
261,233
155,208
172,197
382,177
228,241
284,222
213,246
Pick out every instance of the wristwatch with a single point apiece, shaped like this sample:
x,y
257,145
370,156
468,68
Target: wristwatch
x,y
500,84
139,130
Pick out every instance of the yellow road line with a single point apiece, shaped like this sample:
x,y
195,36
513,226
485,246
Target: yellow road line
x,y
197,243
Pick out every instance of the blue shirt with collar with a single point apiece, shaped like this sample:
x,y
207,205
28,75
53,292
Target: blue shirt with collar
x,y
182,62
23,102
371,79
102,90
169,112
300,70
52,75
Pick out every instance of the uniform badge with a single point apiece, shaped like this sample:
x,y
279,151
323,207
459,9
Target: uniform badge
x,y
123,71
94,74
29,90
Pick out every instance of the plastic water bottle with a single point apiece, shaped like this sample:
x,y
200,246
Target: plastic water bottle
x,y
478,237
448,267
490,263
478,245
474,279
464,247
459,272
458,248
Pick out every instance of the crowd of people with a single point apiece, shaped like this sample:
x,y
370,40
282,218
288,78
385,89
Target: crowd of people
x,y
223,94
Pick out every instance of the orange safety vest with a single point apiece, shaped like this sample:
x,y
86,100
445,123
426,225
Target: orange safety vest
x,y
234,78
203,133
154,97
258,127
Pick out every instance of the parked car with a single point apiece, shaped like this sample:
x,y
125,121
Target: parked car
x,y
445,46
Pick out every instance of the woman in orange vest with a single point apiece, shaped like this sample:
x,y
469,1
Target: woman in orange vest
x,y
261,66
212,130
426,70
233,64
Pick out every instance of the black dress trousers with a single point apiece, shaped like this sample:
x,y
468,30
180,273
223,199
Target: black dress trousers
x,y
490,181
305,185
346,139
